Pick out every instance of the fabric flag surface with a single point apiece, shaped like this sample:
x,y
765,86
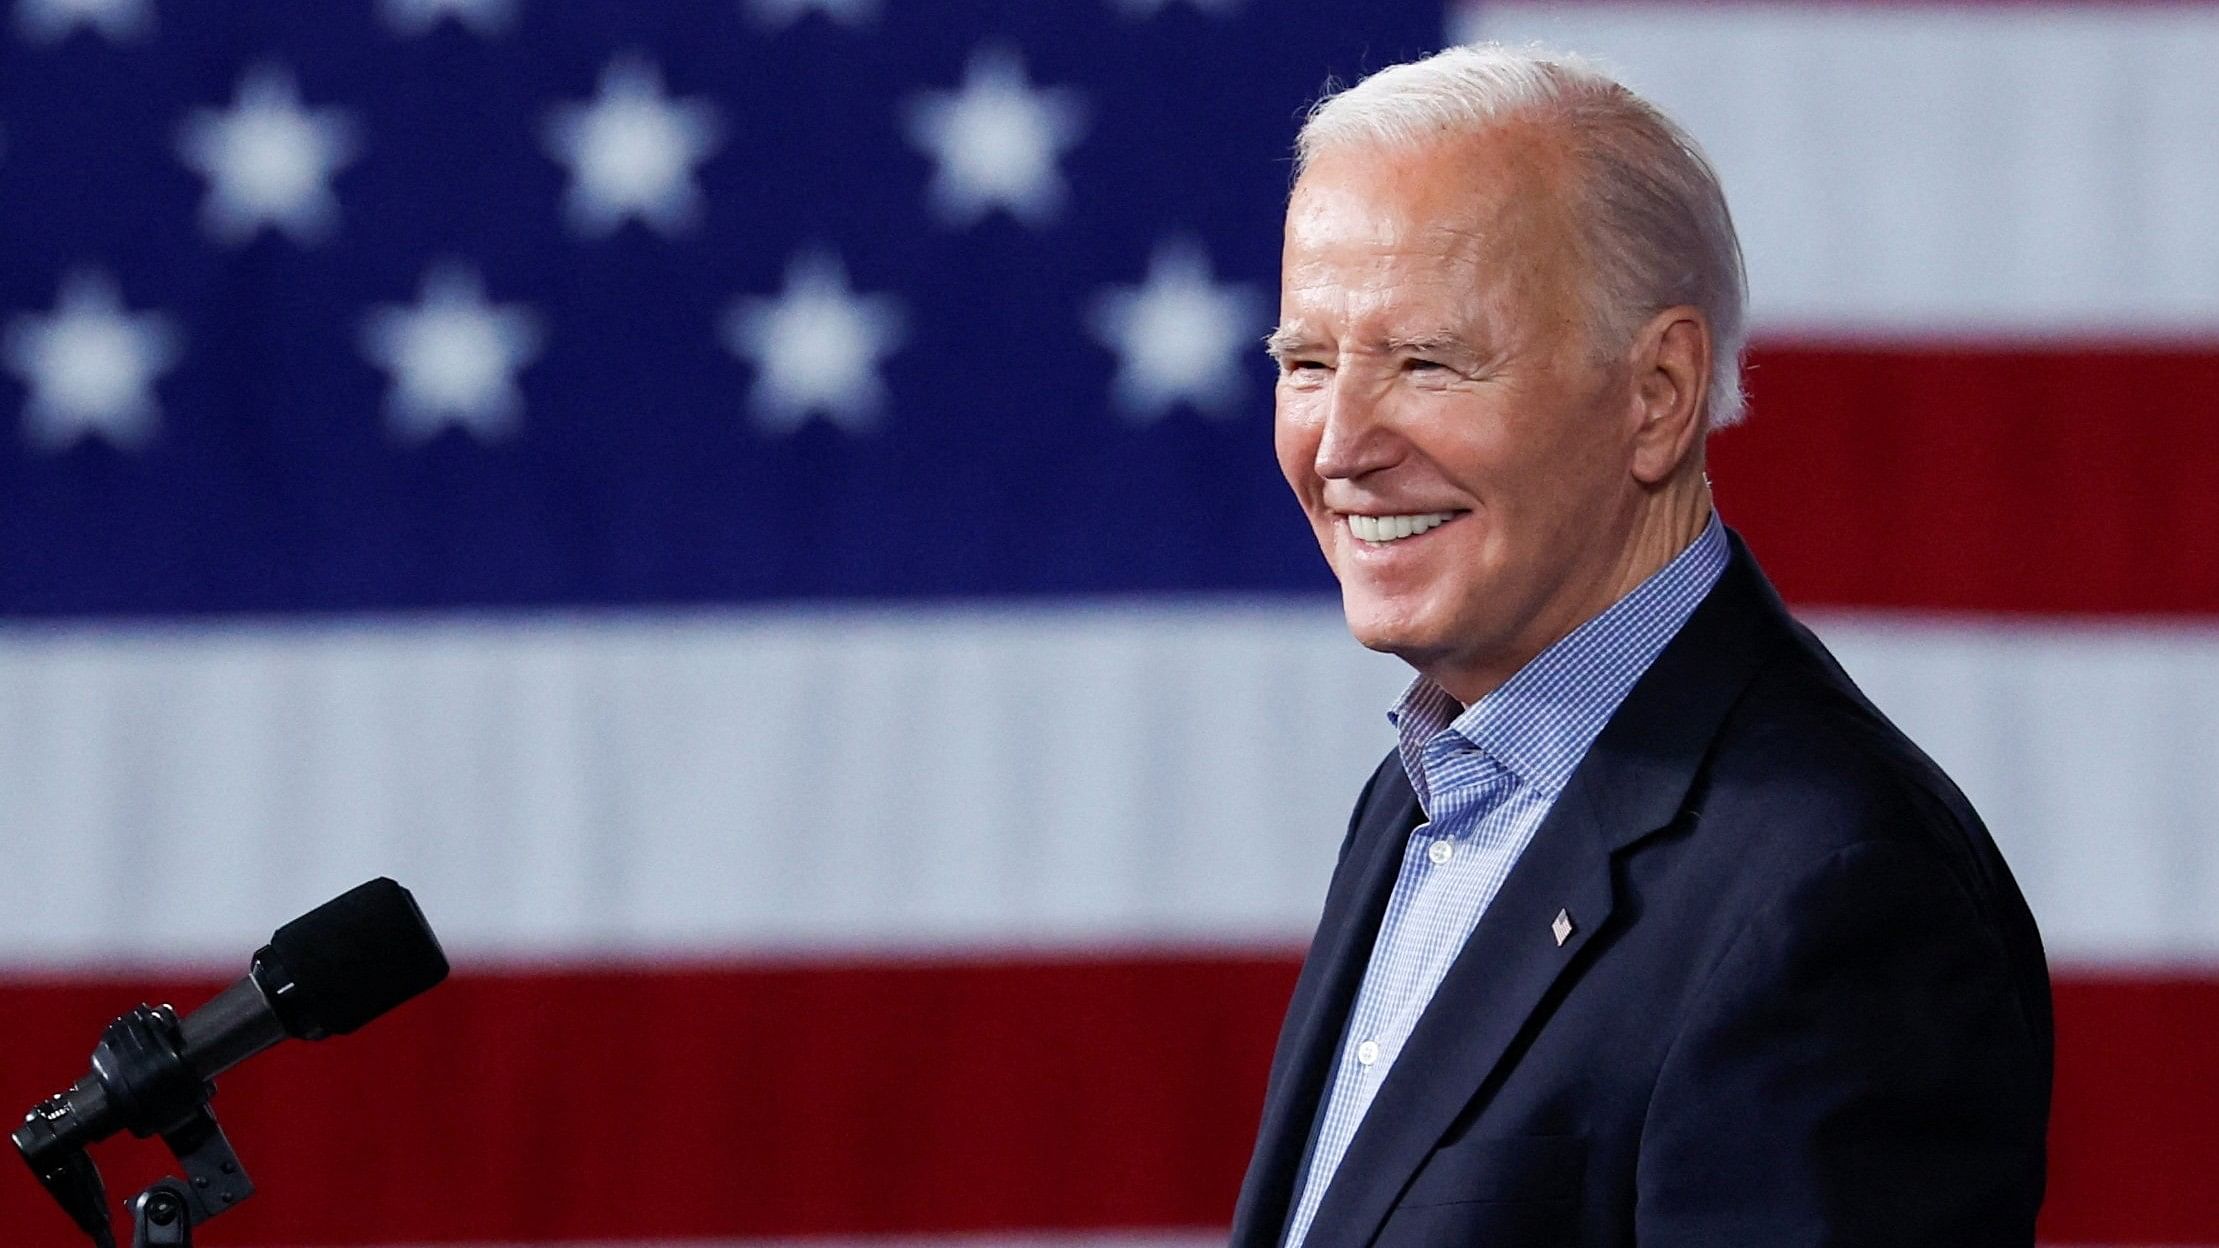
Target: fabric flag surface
x,y
761,513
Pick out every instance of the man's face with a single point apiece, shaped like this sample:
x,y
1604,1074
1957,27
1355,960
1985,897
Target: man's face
x,y
1436,370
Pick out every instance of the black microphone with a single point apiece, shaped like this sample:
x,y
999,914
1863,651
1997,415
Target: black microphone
x,y
325,973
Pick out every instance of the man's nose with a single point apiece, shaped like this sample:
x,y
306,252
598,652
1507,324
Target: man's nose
x,y
1357,438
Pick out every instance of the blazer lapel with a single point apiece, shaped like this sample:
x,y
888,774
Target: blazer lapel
x,y
1632,783
1323,995
1505,971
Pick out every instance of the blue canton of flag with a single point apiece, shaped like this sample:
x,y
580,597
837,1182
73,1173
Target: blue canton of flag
x,y
436,303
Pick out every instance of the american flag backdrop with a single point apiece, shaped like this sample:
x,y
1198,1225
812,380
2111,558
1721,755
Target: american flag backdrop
x,y
760,513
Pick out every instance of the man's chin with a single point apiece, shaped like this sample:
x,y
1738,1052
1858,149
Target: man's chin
x,y
1388,632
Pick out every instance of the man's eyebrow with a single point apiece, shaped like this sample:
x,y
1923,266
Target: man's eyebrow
x,y
1285,341
1430,344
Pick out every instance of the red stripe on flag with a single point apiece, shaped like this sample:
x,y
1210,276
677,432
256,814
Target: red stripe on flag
x,y
2134,1132
621,1103
661,1102
2024,480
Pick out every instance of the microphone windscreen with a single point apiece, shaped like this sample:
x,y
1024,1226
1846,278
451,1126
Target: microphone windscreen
x,y
355,957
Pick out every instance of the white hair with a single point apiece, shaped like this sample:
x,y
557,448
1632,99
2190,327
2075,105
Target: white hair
x,y
1652,214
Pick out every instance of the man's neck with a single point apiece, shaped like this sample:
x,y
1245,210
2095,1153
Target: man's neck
x,y
1668,525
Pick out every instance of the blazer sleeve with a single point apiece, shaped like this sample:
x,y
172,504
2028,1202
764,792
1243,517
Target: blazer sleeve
x,y
1857,1070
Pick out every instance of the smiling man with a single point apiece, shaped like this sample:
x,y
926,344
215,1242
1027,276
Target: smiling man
x,y
1652,930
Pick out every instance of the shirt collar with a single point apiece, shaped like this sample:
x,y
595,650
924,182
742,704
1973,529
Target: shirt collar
x,y
1539,723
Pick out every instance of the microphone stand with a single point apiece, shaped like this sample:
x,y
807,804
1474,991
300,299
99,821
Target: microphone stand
x,y
325,973
164,1215
160,1216
140,1081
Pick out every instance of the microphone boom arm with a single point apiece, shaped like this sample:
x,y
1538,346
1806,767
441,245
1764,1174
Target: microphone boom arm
x,y
325,973
140,1080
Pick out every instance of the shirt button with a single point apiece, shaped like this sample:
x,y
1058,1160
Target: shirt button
x,y
1367,1052
1439,852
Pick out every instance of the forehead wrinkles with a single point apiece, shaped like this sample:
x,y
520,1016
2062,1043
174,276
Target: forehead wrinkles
x,y
1366,298
1430,301
1477,226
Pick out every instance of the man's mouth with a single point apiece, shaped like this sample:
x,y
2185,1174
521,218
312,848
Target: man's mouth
x,y
1380,530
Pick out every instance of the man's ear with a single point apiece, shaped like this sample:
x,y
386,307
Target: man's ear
x,y
1671,375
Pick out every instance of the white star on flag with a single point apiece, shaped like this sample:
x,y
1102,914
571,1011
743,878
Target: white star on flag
x,y
50,21
632,152
268,161
453,357
779,14
90,366
996,141
816,347
1178,335
486,18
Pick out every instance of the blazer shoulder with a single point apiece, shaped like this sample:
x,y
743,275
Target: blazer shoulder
x,y
1805,747
1798,743
1805,767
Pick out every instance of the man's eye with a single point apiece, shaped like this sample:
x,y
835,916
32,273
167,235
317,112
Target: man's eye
x,y
1424,366
1297,365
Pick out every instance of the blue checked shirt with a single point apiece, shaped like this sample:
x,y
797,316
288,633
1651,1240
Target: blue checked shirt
x,y
1485,779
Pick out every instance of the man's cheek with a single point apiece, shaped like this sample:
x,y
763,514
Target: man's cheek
x,y
1295,462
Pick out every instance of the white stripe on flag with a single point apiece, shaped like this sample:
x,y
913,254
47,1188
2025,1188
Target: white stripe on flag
x,y
1959,170
915,783
866,781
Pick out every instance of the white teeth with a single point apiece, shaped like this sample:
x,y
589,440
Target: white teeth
x,y
1383,529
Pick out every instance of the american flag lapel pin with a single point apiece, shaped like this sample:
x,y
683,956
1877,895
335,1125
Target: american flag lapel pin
x,y
1562,927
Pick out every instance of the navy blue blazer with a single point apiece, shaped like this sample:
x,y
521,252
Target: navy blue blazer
x,y
1801,1003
